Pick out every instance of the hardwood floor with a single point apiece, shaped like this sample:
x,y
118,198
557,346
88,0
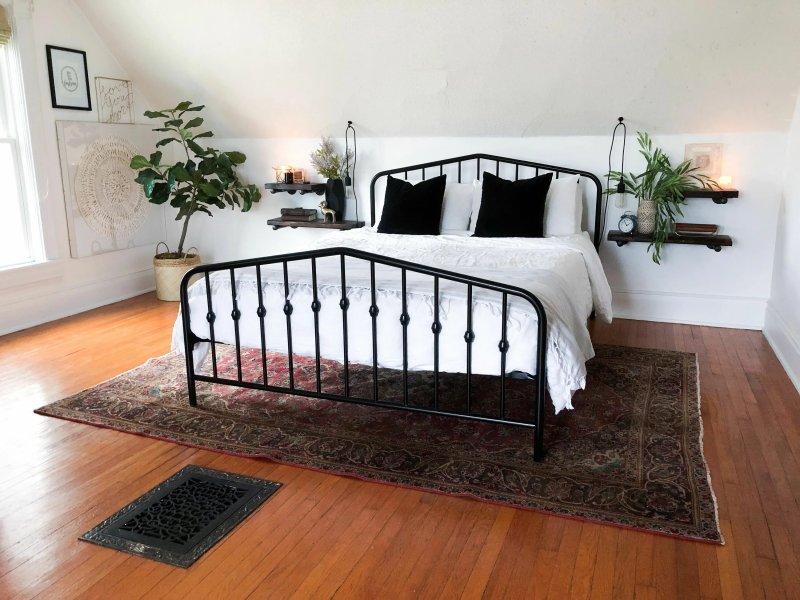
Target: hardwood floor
x,y
325,536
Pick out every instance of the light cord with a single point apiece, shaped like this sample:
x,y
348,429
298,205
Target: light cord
x,y
621,186
355,159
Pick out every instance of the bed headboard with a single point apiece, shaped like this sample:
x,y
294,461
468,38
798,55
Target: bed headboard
x,y
470,167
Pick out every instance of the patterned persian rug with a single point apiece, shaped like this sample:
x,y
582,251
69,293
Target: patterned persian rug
x,y
630,454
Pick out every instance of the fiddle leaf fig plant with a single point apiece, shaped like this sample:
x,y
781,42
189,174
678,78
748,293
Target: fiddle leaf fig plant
x,y
206,179
664,184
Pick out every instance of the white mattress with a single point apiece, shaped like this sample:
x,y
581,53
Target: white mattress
x,y
564,273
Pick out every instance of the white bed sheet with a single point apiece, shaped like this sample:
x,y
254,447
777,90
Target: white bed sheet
x,y
564,273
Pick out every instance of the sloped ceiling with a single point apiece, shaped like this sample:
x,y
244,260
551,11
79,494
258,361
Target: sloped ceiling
x,y
286,68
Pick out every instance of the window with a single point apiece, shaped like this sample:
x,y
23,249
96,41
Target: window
x,y
20,227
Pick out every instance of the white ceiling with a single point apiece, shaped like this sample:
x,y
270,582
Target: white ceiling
x,y
288,68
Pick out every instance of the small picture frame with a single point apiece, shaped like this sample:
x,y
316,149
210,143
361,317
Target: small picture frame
x,y
705,158
114,99
69,78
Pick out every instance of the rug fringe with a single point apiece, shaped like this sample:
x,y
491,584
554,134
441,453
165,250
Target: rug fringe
x,y
703,450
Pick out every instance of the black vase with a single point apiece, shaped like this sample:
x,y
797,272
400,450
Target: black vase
x,y
334,196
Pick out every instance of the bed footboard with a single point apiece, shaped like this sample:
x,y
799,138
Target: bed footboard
x,y
404,268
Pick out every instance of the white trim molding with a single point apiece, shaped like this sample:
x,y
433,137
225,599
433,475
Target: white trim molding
x,y
692,309
29,312
785,343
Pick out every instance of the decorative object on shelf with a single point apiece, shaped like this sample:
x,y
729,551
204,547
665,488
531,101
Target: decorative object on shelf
x,y
725,182
69,78
646,216
106,210
114,100
298,214
288,174
696,229
206,179
332,165
705,159
627,223
327,212
660,189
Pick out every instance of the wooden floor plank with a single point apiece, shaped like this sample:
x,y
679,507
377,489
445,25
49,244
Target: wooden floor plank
x,y
326,536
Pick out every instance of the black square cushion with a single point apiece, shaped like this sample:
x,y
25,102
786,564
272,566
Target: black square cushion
x,y
512,208
413,209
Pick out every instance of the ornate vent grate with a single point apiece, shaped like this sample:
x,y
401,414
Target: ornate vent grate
x,y
180,519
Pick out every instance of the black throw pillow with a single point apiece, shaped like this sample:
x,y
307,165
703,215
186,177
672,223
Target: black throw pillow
x,y
512,208
413,209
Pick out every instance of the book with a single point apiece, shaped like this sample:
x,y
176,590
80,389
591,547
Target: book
x,y
300,218
696,229
298,211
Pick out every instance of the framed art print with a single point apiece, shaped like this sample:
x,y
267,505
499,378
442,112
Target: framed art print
x,y
69,78
705,158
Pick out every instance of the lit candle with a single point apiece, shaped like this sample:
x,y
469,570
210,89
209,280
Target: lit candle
x,y
725,181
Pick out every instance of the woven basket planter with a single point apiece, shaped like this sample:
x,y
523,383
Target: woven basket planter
x,y
169,269
646,216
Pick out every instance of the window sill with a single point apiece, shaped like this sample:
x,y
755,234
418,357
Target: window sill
x,y
30,273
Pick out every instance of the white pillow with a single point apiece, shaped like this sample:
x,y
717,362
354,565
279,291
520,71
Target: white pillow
x,y
563,207
456,207
477,191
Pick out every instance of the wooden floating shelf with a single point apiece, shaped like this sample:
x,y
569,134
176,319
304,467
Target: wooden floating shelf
x,y
718,196
713,242
279,223
293,188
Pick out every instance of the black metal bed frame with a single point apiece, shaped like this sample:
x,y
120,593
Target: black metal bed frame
x,y
405,267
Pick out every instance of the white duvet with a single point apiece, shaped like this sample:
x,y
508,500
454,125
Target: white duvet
x,y
563,272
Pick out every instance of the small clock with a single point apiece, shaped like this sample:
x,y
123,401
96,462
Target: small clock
x,y
627,223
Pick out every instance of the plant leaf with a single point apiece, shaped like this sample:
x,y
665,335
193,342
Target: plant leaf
x,y
139,162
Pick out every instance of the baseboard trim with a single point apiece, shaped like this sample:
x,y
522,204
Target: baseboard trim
x,y
31,312
690,309
784,342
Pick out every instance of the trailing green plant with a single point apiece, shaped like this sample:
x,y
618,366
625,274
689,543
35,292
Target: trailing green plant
x,y
207,178
328,162
664,184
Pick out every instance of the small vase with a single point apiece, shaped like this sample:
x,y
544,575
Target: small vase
x,y
646,217
334,196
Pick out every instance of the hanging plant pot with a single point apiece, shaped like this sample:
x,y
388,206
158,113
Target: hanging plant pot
x,y
169,268
334,196
646,217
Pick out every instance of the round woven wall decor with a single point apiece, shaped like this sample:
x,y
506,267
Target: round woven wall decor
x,y
108,198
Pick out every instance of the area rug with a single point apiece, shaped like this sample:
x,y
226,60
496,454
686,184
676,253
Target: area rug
x,y
630,454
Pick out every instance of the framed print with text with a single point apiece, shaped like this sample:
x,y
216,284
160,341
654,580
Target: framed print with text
x,y
69,78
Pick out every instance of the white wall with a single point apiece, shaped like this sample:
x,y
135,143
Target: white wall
x,y
506,68
693,284
782,326
63,286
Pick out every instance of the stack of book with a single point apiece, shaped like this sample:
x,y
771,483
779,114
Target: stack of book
x,y
298,214
696,229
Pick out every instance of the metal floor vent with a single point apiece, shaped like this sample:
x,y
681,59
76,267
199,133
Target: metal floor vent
x,y
177,521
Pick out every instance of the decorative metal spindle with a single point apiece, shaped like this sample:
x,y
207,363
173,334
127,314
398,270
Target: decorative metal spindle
x,y
315,306
287,310
210,317
235,315
262,312
469,337
503,347
437,329
404,320
344,304
373,312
